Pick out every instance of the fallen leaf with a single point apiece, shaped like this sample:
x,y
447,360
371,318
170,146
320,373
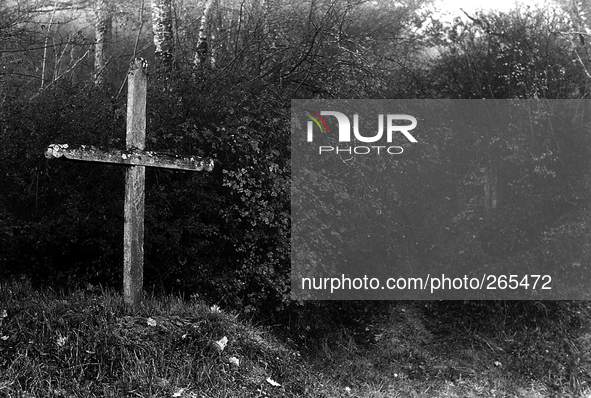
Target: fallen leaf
x,y
273,382
221,343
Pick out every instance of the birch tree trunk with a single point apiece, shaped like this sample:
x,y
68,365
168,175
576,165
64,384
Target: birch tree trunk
x,y
203,55
162,25
104,21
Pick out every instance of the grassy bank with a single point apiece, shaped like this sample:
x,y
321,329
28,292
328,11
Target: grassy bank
x,y
83,344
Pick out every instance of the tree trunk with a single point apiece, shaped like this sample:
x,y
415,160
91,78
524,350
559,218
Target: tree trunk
x,y
104,21
203,54
163,33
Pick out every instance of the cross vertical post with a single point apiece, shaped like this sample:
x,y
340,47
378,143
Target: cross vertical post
x,y
135,158
135,181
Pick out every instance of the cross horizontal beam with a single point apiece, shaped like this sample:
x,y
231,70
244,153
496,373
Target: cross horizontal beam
x,y
130,157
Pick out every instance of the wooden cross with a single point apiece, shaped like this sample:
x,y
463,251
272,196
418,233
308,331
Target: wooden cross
x,y
137,159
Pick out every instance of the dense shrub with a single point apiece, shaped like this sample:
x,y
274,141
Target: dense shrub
x,y
223,234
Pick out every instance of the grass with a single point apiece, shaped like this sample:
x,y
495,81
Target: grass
x,y
422,351
84,344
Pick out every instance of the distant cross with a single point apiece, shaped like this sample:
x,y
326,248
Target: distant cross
x,y
137,159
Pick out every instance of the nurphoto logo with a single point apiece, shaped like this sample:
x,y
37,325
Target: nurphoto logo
x,y
344,133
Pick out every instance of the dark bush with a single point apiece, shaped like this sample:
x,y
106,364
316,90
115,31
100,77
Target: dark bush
x,y
222,234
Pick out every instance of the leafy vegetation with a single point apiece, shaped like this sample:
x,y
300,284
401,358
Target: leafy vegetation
x,y
226,234
222,74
